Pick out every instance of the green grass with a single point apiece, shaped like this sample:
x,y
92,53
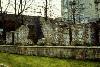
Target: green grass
x,y
13,60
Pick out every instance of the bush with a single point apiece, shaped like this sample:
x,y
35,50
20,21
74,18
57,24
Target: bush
x,y
19,44
41,44
1,42
78,44
54,44
89,44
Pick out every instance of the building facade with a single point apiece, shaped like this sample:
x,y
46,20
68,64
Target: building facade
x,y
83,9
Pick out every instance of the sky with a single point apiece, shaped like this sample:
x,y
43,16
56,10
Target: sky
x,y
36,8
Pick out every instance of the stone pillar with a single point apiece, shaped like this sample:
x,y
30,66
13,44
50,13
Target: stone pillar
x,y
13,37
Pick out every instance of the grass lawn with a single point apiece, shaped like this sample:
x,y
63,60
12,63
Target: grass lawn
x,y
12,60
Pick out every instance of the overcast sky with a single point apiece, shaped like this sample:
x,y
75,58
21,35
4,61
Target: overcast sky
x,y
36,7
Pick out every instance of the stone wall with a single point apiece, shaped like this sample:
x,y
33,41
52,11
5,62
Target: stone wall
x,y
20,36
79,52
58,33
55,33
81,34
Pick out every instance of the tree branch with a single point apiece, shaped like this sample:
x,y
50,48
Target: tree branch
x,y
7,6
25,8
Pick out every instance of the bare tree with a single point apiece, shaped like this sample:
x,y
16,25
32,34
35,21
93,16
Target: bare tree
x,y
25,6
46,9
73,10
20,7
97,2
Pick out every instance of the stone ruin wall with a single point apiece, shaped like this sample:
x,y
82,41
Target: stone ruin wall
x,y
55,33
20,36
